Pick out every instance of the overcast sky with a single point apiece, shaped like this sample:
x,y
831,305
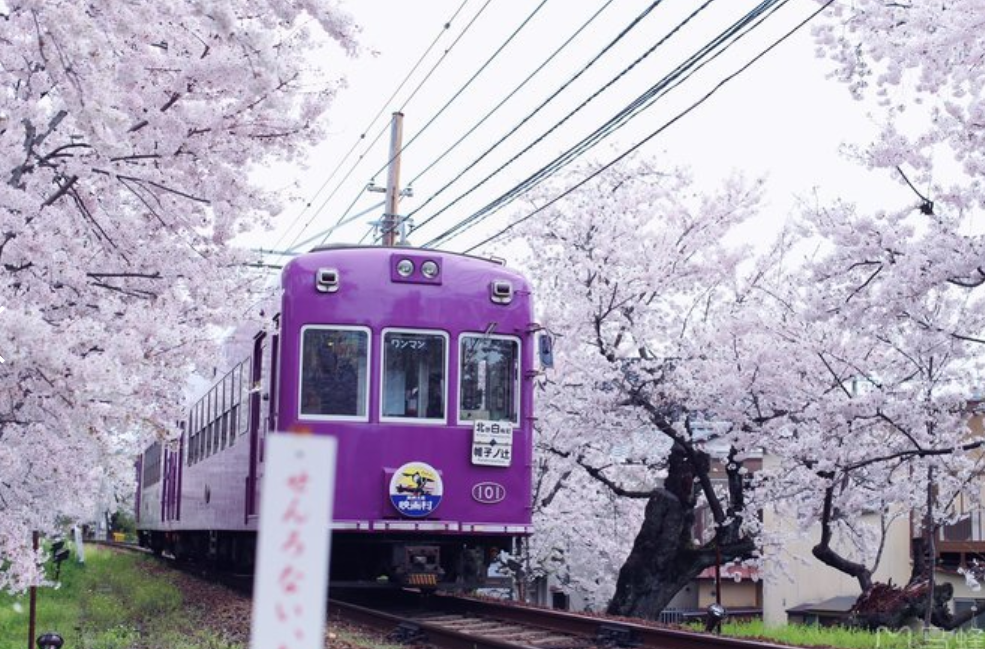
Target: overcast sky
x,y
781,118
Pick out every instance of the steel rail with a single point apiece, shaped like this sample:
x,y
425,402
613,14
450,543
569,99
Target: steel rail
x,y
428,633
607,630
584,630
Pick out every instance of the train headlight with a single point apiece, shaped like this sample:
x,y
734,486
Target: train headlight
x,y
429,269
501,291
405,267
327,280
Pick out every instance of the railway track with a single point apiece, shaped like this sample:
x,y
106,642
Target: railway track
x,y
451,622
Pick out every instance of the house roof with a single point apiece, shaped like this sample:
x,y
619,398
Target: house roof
x,y
840,605
729,573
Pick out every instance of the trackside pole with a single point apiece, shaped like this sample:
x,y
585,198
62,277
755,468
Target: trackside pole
x,y
390,217
290,589
33,605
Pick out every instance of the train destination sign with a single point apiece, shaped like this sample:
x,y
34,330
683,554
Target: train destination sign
x,y
492,443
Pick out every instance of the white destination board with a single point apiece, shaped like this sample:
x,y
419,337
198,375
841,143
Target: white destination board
x,y
291,584
492,443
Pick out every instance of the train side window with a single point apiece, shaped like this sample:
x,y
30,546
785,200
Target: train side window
x,y
414,372
334,373
489,378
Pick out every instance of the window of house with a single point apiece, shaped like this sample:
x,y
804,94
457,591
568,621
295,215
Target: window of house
x,y
489,375
414,374
334,373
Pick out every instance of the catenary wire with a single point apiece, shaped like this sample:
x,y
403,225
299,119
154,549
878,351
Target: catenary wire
x,y
620,119
626,30
512,93
462,89
362,136
410,97
468,83
380,133
655,133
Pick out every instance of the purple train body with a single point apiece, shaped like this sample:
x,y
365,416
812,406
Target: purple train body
x,y
420,363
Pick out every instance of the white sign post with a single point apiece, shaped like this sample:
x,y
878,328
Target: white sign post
x,y
80,553
291,584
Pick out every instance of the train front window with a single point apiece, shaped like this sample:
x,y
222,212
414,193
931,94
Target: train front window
x,y
334,373
490,378
414,375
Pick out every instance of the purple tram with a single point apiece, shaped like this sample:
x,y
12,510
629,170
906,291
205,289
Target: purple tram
x,y
421,364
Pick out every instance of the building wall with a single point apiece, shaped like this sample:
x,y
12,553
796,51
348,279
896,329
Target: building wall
x,y
743,594
808,581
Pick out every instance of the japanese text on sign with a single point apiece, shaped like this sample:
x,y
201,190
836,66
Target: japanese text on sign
x,y
492,443
290,588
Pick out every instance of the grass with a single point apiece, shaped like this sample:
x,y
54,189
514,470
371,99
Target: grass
x,y
107,603
810,635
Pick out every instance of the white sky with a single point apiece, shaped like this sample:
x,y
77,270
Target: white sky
x,y
781,118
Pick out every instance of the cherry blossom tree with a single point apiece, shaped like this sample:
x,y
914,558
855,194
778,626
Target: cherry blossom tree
x,y
679,365
128,135
629,276
850,367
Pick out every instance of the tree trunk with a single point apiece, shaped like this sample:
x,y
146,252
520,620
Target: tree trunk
x,y
664,558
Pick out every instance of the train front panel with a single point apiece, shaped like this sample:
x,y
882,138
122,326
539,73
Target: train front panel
x,y
421,364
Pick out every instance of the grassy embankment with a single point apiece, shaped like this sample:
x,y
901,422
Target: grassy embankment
x,y
844,638
124,601
109,603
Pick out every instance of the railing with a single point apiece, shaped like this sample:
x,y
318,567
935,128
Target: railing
x,y
968,532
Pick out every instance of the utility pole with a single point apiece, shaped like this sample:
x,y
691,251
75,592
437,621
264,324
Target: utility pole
x,y
390,217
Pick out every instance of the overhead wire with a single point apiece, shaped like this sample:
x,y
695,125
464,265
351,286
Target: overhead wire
x,y
512,93
445,27
641,103
626,30
409,98
463,88
655,133
362,136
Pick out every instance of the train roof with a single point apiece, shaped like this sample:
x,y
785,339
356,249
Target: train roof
x,y
433,251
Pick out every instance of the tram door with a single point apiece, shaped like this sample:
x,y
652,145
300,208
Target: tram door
x,y
171,480
263,412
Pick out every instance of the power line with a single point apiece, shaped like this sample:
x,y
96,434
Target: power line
x,y
655,133
640,104
523,83
413,93
462,89
445,27
474,76
626,30
608,127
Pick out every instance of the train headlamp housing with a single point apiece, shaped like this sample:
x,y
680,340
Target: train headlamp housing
x,y
429,269
405,268
327,280
501,291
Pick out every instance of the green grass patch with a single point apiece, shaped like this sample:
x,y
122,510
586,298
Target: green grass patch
x,y
107,603
367,640
811,635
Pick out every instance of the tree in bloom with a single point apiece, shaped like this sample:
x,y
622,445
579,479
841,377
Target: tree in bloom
x,y
679,366
629,271
915,269
127,135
